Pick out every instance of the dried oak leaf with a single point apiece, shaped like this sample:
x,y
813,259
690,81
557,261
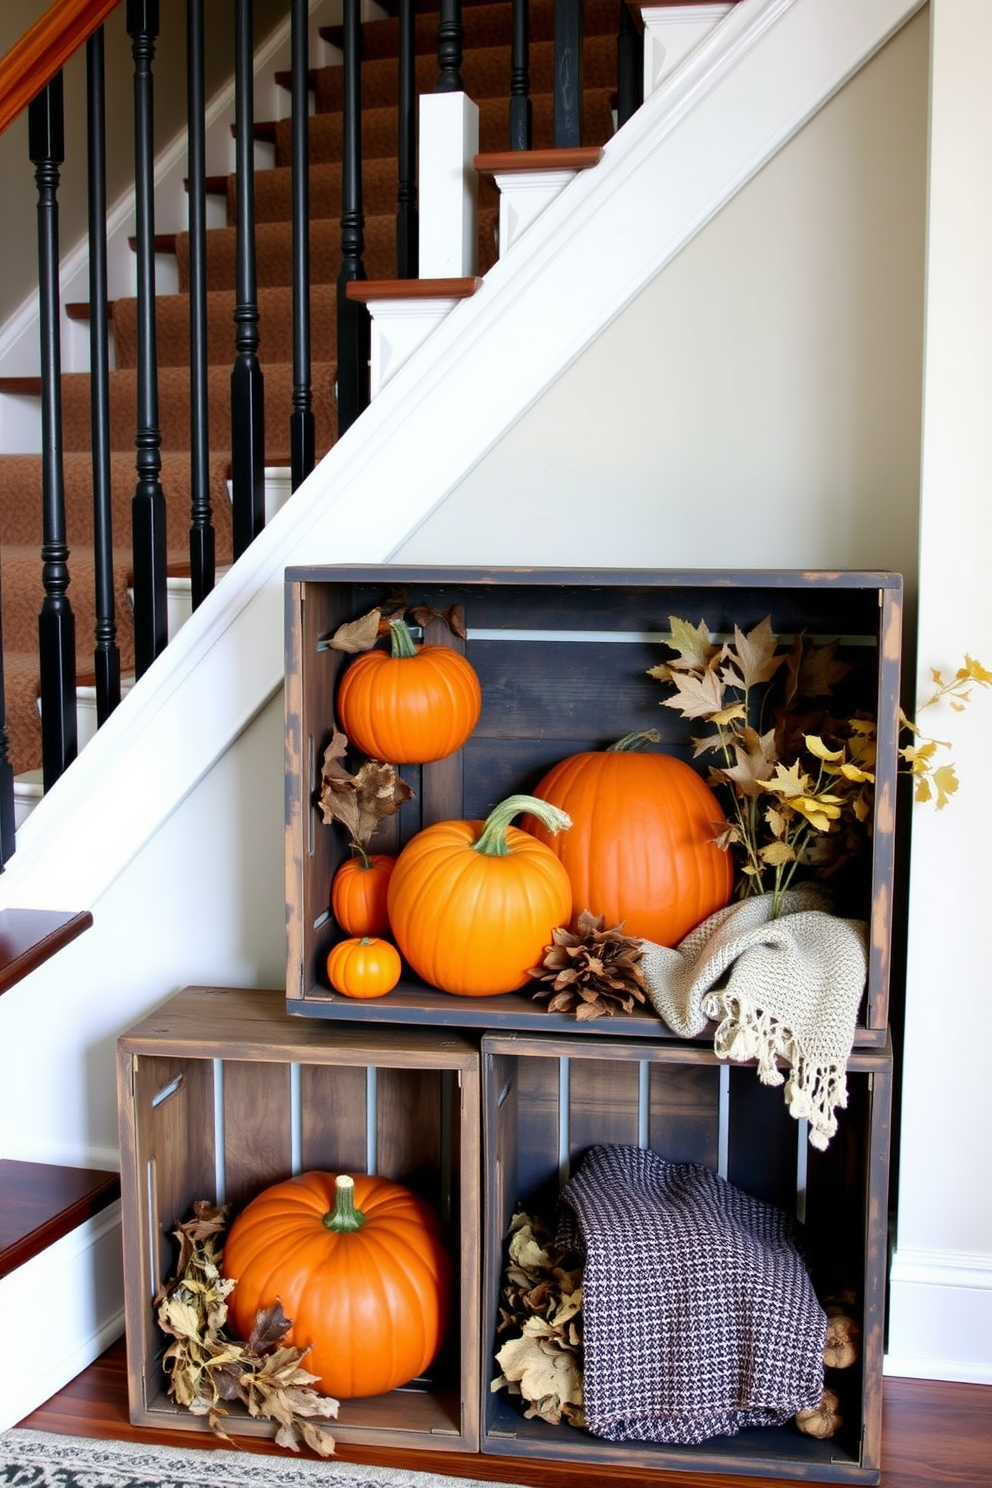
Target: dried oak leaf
x,y
362,800
541,1310
593,972
356,635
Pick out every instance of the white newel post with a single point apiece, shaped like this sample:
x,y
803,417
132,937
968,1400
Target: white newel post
x,y
671,32
448,185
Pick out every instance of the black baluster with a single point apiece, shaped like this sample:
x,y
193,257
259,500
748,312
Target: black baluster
x,y
7,831
407,217
301,422
449,48
520,106
247,388
202,555
630,66
151,627
568,73
354,324
106,653
56,623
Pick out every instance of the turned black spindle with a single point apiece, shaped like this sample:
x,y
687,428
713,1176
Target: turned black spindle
x,y
151,629
568,73
407,216
520,105
301,421
630,65
7,828
56,623
202,554
106,653
247,386
354,325
449,48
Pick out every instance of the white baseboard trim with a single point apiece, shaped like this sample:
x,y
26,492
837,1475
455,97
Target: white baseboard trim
x,y
940,1316
73,1294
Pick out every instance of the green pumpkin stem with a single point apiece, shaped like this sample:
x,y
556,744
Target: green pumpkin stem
x,y
492,839
636,740
400,639
358,851
344,1217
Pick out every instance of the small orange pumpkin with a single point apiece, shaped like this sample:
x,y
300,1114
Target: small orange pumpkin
x,y
358,894
642,848
417,704
472,904
363,966
361,1269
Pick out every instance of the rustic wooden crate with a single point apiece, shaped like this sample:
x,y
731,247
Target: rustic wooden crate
x,y
546,1099
221,1094
562,657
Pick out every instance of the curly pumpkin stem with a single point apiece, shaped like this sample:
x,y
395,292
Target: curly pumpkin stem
x,y
492,841
636,740
344,1217
400,639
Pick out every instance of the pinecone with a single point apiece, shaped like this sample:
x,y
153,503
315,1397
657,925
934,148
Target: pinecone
x,y
593,972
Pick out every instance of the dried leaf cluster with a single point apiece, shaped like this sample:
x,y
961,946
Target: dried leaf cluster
x,y
593,972
208,1369
541,1312
362,634
799,781
359,801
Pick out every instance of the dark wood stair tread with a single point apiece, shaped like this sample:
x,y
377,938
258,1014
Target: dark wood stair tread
x,y
505,162
41,1202
28,937
364,290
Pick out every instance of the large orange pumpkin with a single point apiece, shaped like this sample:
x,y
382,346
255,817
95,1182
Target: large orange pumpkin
x,y
361,1269
358,894
472,904
641,849
414,705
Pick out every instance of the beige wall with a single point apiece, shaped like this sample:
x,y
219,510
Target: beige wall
x,y
18,251
759,403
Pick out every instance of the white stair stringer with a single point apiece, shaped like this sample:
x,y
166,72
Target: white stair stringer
x,y
741,95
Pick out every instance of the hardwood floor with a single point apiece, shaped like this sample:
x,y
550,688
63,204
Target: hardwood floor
x,y
934,1434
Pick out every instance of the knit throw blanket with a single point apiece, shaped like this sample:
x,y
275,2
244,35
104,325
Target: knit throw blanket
x,y
785,989
699,1318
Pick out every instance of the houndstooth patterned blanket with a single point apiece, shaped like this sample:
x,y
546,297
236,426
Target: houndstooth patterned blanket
x,y
699,1318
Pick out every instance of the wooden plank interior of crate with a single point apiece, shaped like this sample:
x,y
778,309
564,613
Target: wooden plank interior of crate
x,y
174,1165
334,1134
408,1128
685,1112
258,1140
763,1140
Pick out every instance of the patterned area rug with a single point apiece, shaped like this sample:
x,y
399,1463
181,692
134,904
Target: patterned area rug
x,y
39,1459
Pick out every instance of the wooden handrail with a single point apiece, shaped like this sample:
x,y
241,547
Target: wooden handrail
x,y
44,50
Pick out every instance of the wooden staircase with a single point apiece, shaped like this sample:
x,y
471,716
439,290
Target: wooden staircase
x,y
486,72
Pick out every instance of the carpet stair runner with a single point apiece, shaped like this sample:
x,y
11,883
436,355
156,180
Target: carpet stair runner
x,y
486,72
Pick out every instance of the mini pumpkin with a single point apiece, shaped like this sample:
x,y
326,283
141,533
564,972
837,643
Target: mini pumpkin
x,y
358,893
363,966
642,848
361,1268
410,706
472,904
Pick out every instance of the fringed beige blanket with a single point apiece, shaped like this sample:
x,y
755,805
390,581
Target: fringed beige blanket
x,y
784,989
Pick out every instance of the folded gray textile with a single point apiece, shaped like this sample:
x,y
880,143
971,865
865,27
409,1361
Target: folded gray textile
x,y
787,988
699,1318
